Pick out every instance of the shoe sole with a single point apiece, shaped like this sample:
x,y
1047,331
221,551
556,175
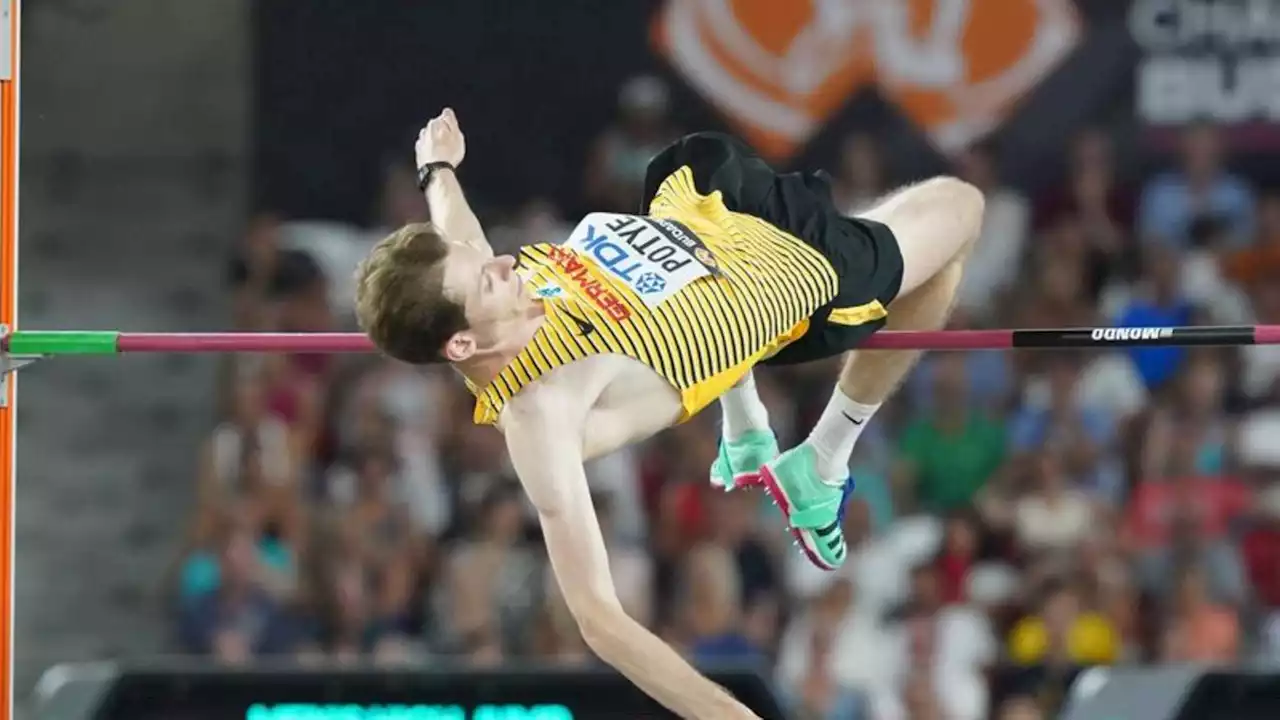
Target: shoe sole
x,y
768,481
741,480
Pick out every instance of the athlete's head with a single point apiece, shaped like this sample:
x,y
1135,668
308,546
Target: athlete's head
x,y
424,298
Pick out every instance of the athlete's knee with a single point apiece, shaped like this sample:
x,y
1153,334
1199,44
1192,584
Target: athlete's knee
x,y
963,199
965,205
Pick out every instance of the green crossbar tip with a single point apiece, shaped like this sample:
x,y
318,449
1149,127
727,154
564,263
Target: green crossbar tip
x,y
51,342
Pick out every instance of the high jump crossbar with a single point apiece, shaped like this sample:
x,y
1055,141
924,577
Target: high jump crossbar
x,y
47,343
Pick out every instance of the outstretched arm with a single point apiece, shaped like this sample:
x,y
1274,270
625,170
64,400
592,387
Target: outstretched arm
x,y
442,141
546,452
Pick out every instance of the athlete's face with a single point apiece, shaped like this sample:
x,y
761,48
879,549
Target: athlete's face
x,y
491,293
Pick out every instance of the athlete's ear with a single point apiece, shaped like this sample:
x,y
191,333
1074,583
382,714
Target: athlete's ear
x,y
460,346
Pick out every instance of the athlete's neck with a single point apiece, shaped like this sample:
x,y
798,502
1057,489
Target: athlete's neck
x,y
481,368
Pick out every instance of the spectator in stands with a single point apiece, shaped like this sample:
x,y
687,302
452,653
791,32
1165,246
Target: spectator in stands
x,y
1262,555
925,596
860,177
1053,419
1052,516
1206,280
1200,186
1158,301
1020,707
248,452
1259,261
733,526
238,619
1061,632
252,269
411,406
1188,434
1197,630
713,619
832,653
1053,293
353,619
494,577
1091,194
948,454
947,645
295,383
475,460
992,268
1105,573
1260,364
1190,545
921,701
621,154
200,571
1260,548
1096,210
958,556
390,548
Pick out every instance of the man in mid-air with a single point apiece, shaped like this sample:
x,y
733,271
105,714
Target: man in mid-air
x,y
636,323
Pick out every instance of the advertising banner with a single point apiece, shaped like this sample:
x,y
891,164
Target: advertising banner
x,y
1216,60
185,692
779,70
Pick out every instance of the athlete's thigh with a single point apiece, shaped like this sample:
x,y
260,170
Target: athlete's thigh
x,y
934,222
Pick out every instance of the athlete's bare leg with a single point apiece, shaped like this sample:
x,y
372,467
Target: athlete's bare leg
x,y
936,223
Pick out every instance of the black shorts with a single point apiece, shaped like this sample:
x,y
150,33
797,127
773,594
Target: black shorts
x,y
864,253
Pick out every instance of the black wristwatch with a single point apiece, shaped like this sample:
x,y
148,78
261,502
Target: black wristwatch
x,y
426,171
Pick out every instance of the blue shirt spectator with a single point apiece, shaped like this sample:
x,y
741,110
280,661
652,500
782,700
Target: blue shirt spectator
x,y
1171,202
1169,206
1156,365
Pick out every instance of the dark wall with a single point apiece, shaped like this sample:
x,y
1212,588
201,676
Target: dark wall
x,y
343,85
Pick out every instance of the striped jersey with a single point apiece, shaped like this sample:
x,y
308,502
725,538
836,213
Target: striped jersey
x,y
697,293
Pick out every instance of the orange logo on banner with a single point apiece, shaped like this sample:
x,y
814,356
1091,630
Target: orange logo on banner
x,y
780,68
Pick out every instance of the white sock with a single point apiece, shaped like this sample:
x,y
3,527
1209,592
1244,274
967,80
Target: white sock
x,y
742,409
833,437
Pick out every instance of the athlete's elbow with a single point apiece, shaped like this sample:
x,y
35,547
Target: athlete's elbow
x,y
599,622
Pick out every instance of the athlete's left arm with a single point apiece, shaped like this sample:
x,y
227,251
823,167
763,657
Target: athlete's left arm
x,y
442,141
544,437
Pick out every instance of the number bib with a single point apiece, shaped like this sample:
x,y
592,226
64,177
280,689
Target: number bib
x,y
655,258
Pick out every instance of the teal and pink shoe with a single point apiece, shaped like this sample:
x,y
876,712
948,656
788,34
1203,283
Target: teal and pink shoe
x,y
739,462
814,509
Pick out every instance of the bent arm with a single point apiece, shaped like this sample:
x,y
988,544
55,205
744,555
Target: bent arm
x,y
451,213
546,455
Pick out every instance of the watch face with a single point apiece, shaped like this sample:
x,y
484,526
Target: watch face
x,y
140,694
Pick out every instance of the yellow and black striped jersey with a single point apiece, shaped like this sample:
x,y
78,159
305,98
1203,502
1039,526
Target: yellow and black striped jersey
x,y
694,291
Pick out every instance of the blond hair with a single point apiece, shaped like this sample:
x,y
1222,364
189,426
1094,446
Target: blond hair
x,y
400,300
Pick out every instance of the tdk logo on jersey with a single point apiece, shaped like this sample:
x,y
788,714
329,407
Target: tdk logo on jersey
x,y
654,259
622,260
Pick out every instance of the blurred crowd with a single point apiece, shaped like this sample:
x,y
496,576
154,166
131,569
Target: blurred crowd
x,y
1019,516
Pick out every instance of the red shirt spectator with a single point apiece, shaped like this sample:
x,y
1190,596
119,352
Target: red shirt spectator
x,y
959,550
1260,549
